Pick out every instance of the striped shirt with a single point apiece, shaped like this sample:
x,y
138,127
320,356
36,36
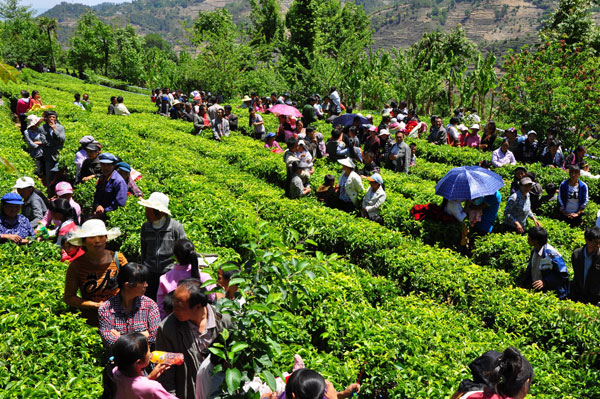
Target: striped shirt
x,y
144,316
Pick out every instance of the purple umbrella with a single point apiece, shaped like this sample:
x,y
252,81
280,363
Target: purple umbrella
x,y
283,109
348,119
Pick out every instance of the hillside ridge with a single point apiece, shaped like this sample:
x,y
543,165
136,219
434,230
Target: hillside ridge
x,y
493,24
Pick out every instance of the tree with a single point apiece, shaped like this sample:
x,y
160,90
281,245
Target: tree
x,y
553,86
91,44
267,25
127,55
457,52
571,22
49,26
12,9
301,21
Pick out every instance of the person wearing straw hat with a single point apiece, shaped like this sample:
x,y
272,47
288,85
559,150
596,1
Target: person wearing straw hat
x,y
111,189
33,137
246,102
350,186
94,274
373,199
34,207
13,226
158,235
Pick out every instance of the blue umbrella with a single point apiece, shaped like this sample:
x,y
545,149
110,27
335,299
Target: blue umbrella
x,y
468,182
347,119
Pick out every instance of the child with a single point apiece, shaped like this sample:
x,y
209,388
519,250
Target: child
x,y
326,193
272,145
186,267
69,251
124,376
413,154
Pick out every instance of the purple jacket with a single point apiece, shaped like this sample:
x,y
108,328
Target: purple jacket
x,y
111,195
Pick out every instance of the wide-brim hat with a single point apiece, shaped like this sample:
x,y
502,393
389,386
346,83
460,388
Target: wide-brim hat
x,y
24,182
33,120
158,201
93,228
346,162
246,98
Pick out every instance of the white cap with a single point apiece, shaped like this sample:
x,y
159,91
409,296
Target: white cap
x,y
24,182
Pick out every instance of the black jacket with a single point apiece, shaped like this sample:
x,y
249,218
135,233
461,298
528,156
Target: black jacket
x,y
590,293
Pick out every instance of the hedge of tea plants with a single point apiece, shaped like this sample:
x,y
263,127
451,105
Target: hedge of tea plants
x,y
415,313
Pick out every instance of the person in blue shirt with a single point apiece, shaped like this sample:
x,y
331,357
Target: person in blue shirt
x,y
13,226
111,189
546,270
572,198
491,205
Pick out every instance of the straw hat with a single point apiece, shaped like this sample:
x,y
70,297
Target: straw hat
x,y
346,162
158,201
246,98
93,228
32,120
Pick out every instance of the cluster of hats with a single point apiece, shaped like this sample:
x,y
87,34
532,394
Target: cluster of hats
x,y
375,177
89,143
96,227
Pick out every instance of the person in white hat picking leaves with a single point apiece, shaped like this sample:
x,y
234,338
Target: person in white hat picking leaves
x,y
33,137
373,199
473,139
93,274
34,207
158,236
350,186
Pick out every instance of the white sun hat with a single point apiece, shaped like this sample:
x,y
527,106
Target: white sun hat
x,y
158,201
93,228
346,162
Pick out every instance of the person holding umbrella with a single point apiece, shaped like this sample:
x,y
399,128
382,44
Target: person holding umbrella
x,y
471,182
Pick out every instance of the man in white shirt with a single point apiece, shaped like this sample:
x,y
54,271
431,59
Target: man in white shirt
x,y
120,108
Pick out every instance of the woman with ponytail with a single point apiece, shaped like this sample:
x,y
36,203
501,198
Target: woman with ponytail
x,y
124,376
308,384
186,267
509,376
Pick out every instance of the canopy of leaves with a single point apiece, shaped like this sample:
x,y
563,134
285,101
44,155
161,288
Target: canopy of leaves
x,y
554,86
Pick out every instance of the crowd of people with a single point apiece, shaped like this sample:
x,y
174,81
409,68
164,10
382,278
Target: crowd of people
x,y
164,305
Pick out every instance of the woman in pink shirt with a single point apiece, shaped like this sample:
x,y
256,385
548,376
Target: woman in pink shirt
x,y
63,190
186,267
124,377
473,139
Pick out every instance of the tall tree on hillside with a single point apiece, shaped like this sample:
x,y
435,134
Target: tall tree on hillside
x,y
91,44
49,25
301,21
458,52
267,25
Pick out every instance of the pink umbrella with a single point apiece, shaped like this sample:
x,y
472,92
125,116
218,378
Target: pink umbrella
x,y
287,110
